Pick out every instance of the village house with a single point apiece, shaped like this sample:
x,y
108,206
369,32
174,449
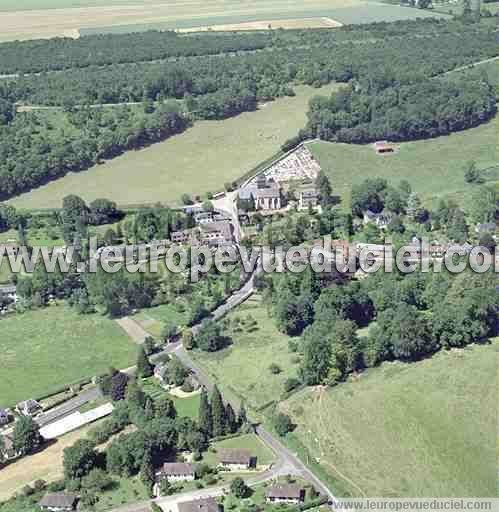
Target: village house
x,y
28,407
59,501
486,227
176,472
381,220
233,459
217,233
184,236
4,417
202,505
159,372
268,198
308,196
8,451
202,217
285,494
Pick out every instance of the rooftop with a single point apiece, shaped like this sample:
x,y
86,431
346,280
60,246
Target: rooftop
x,y
58,500
234,456
177,468
285,491
202,505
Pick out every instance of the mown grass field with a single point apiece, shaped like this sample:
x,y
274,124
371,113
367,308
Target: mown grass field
x,y
242,370
424,429
433,167
48,348
201,159
153,319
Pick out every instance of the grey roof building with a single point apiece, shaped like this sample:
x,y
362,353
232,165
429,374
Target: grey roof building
x,y
58,501
202,505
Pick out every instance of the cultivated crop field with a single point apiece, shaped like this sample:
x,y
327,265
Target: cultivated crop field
x,y
199,160
433,167
423,429
59,347
30,19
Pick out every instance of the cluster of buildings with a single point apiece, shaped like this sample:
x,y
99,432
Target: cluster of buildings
x,y
213,229
265,194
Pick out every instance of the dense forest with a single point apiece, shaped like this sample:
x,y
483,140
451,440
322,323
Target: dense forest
x,y
401,112
37,148
64,53
390,93
409,316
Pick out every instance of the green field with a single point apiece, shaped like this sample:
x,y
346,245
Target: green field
x,y
45,349
197,161
242,370
351,13
434,167
424,429
153,319
188,406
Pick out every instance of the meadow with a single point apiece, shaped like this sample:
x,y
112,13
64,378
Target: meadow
x,y
60,347
30,19
153,319
199,160
242,370
423,429
433,167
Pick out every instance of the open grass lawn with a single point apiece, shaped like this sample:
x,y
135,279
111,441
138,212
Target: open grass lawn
x,y
434,167
48,348
122,491
242,370
201,159
424,429
188,406
153,319
250,442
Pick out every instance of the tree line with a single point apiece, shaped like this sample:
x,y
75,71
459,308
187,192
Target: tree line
x,y
35,148
409,317
60,53
390,95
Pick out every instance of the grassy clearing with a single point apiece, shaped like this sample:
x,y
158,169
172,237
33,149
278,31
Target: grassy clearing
x,y
242,370
188,406
250,442
200,160
433,167
153,319
123,490
59,347
425,429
